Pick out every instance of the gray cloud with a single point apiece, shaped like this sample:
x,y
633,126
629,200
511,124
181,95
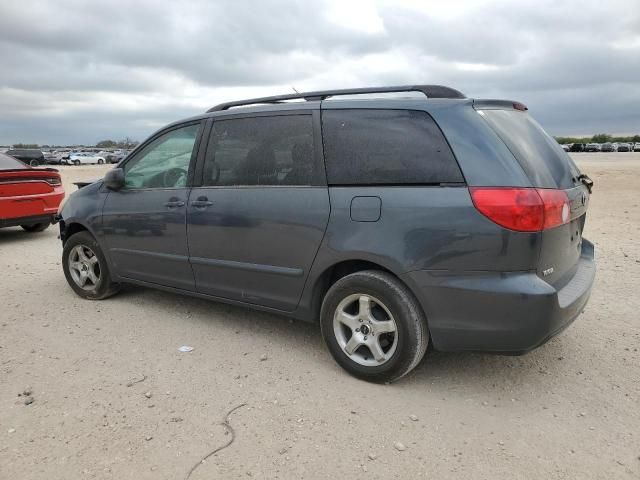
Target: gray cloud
x,y
77,71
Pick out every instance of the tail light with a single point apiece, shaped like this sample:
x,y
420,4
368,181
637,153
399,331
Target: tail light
x,y
522,209
53,181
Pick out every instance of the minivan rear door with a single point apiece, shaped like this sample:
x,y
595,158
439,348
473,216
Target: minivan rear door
x,y
548,166
257,219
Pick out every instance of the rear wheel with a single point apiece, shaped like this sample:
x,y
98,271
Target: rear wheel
x,y
34,163
85,268
76,162
100,161
35,227
373,326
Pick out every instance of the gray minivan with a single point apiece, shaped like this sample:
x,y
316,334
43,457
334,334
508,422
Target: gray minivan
x,y
395,221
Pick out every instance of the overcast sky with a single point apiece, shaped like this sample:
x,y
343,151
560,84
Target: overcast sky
x,y
78,71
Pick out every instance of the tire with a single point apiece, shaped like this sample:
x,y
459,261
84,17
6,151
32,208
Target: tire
x,y
100,161
100,286
34,163
35,227
399,351
76,163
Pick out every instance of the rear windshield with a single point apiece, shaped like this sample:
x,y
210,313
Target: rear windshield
x,y
544,161
7,162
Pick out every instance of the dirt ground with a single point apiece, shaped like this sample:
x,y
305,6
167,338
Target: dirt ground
x,y
570,409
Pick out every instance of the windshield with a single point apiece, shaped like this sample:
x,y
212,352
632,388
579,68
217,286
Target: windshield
x,y
544,161
7,162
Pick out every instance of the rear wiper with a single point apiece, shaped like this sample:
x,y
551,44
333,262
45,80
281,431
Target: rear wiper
x,y
586,181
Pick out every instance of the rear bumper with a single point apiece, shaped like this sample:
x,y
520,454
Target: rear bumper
x,y
30,220
510,312
30,209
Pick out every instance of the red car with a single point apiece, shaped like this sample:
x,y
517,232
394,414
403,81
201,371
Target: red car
x,y
29,197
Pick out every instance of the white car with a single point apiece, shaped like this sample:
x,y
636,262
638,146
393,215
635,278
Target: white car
x,y
83,158
636,147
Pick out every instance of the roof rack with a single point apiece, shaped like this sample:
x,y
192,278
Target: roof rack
x,y
431,91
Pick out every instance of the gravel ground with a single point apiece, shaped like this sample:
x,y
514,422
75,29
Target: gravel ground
x,y
570,409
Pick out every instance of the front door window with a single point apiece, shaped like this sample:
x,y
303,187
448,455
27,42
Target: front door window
x,y
164,163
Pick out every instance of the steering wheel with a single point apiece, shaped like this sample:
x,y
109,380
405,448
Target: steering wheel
x,y
174,177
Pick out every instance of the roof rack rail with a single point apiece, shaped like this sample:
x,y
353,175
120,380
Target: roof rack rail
x,y
431,91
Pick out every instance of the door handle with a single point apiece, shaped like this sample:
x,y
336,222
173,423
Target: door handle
x,y
173,203
201,202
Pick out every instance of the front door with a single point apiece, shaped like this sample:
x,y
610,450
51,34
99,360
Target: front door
x,y
256,222
144,223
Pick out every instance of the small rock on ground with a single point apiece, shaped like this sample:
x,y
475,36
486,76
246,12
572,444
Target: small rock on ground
x,y
399,446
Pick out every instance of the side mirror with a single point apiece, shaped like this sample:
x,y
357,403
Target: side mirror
x,y
114,179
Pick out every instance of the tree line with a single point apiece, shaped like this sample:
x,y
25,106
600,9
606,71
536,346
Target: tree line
x,y
126,143
599,138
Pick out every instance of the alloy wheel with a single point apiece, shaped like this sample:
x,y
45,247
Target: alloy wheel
x,y
84,267
365,330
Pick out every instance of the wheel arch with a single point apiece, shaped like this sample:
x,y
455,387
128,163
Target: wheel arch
x,y
71,227
338,270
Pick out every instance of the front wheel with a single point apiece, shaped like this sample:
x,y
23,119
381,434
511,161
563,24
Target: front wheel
x,y
373,326
100,161
85,268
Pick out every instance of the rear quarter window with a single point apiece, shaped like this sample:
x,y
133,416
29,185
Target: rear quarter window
x,y
544,161
386,147
7,162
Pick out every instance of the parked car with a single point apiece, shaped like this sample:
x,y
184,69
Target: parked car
x,y
636,147
30,156
609,147
83,158
578,147
624,147
116,157
29,197
566,147
593,147
394,223
51,158
63,155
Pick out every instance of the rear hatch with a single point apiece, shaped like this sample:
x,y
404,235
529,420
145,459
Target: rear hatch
x,y
548,166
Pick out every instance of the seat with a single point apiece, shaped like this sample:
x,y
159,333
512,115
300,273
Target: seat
x,y
259,168
302,171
